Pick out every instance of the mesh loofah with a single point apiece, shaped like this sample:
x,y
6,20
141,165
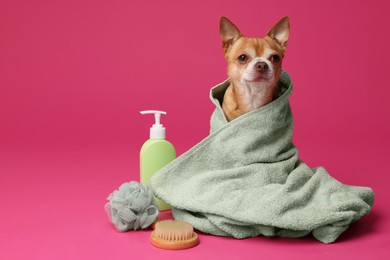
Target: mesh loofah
x,y
132,206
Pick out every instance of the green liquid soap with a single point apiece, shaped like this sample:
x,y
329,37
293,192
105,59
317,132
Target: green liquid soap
x,y
155,154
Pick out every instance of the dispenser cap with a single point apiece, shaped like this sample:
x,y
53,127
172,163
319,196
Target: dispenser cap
x,y
157,131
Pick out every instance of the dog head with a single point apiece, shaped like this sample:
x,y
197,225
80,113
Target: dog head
x,y
254,62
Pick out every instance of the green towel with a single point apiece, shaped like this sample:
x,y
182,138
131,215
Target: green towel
x,y
245,179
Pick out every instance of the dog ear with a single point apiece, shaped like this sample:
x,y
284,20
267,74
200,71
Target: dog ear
x,y
280,31
229,33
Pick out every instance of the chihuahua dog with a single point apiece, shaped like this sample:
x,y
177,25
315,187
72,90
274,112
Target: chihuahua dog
x,y
254,66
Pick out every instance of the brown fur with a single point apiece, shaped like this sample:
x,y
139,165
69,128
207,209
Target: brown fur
x,y
242,95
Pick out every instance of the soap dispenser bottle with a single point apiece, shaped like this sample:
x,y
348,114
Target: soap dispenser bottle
x,y
155,153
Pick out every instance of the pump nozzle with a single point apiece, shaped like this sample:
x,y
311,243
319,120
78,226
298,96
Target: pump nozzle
x,y
157,131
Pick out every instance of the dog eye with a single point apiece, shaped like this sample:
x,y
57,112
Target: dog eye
x,y
242,58
275,58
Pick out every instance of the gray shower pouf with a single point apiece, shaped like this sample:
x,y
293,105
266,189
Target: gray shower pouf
x,y
132,206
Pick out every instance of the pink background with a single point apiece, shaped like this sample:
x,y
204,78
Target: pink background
x,y
75,74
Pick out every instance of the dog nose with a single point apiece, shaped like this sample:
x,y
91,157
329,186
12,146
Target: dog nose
x,y
261,66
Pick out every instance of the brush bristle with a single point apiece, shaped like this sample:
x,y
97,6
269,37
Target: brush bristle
x,y
173,230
